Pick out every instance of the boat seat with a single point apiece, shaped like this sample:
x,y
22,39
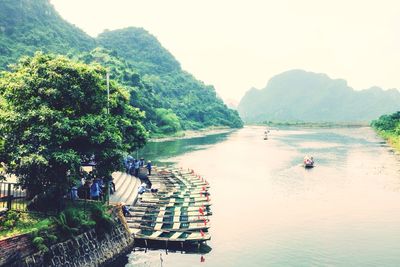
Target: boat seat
x,y
194,236
176,226
158,226
175,236
156,234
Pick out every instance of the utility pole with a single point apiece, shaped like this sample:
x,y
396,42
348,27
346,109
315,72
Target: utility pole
x,y
108,92
108,113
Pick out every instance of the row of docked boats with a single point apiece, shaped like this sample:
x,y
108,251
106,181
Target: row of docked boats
x,y
177,213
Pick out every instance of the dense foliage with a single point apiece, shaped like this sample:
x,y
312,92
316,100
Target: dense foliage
x,y
300,96
390,123
388,126
134,57
53,117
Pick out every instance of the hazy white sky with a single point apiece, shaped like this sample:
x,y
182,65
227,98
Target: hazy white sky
x,y
235,45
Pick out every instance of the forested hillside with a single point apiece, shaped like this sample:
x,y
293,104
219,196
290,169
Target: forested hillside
x,y
300,96
27,26
172,99
195,103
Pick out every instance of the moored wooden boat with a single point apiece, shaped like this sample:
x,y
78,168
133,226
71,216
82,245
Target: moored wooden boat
x,y
170,236
167,226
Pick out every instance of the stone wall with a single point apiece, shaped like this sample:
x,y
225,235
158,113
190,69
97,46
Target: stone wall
x,y
87,249
84,250
14,248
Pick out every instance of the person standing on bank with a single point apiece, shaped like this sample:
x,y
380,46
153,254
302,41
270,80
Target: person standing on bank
x,y
95,190
148,167
137,167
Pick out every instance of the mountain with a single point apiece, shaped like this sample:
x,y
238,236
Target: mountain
x,y
172,98
195,103
30,25
298,95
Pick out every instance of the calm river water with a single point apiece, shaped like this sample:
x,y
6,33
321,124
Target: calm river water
x,y
269,211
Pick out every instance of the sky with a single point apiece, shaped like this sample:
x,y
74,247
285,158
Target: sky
x,y
238,44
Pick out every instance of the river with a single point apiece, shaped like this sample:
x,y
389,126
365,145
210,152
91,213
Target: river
x,y
270,211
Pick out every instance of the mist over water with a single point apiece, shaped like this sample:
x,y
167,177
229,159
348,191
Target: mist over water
x,y
270,211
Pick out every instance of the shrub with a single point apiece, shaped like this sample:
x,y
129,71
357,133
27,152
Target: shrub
x,y
43,237
104,221
72,221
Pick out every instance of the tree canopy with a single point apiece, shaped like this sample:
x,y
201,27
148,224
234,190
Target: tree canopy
x,y
53,117
388,123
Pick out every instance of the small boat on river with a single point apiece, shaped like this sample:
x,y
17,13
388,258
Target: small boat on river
x,y
308,162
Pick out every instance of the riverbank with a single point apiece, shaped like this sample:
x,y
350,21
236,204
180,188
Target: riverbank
x,y
192,134
387,126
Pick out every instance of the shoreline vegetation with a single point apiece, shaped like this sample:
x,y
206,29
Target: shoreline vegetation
x,y
392,139
388,127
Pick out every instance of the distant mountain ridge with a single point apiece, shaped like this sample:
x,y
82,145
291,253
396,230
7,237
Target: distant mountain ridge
x,y
297,95
158,85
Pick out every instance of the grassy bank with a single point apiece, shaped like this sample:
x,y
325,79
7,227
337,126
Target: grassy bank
x,y
392,139
16,223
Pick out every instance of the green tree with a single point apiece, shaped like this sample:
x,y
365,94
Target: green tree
x,y
167,120
54,117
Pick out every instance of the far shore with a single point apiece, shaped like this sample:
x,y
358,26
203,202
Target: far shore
x,y
312,124
193,134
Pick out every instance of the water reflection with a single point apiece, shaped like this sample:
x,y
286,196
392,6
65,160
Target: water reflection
x,y
159,152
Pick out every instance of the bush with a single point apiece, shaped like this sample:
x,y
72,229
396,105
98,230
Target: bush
x,y
104,221
9,221
43,238
72,221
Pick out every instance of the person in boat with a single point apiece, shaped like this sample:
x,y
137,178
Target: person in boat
x,y
143,188
308,160
125,210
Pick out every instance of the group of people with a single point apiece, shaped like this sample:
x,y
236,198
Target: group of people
x,y
133,165
91,187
